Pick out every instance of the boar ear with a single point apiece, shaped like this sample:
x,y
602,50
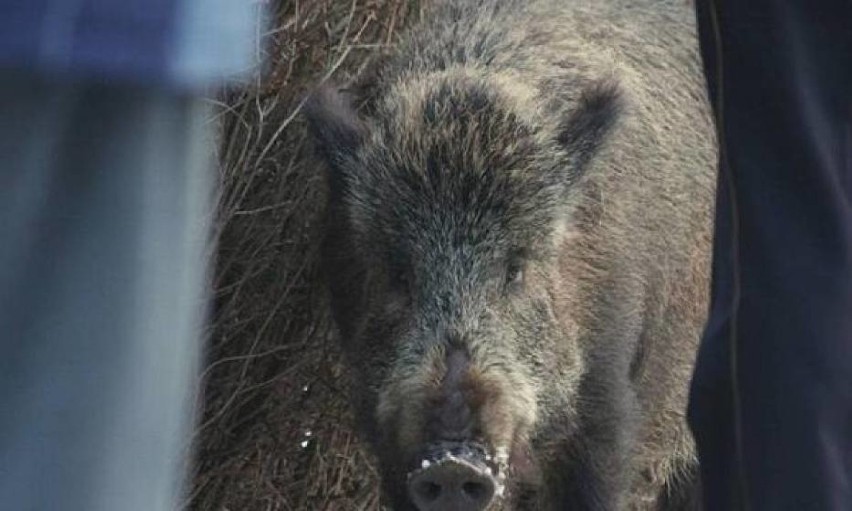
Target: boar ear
x,y
334,125
587,126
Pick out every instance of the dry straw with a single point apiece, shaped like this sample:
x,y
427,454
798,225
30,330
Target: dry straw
x,y
275,429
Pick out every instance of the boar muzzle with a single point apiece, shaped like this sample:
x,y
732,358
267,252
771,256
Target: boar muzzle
x,y
455,476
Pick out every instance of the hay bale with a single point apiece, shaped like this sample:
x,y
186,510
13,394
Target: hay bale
x,y
275,429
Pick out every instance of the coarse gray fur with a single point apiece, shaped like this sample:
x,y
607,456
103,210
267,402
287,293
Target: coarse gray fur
x,y
518,245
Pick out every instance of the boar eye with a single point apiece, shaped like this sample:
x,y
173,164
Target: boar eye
x,y
400,279
514,275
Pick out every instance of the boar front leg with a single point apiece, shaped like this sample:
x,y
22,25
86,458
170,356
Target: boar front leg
x,y
594,473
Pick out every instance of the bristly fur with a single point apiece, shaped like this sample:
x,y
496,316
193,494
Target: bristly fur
x,y
518,244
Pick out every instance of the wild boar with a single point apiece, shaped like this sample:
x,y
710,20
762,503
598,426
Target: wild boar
x,y
518,251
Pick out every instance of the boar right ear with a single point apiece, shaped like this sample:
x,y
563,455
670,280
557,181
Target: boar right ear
x,y
334,125
585,129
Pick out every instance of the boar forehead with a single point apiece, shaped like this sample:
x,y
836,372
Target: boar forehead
x,y
457,175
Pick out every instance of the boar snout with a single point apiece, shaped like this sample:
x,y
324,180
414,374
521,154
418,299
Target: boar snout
x,y
456,477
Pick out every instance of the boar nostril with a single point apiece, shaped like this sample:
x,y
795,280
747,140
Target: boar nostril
x,y
428,491
476,491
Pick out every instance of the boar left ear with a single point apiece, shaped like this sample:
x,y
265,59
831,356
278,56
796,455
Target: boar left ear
x,y
334,125
588,125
